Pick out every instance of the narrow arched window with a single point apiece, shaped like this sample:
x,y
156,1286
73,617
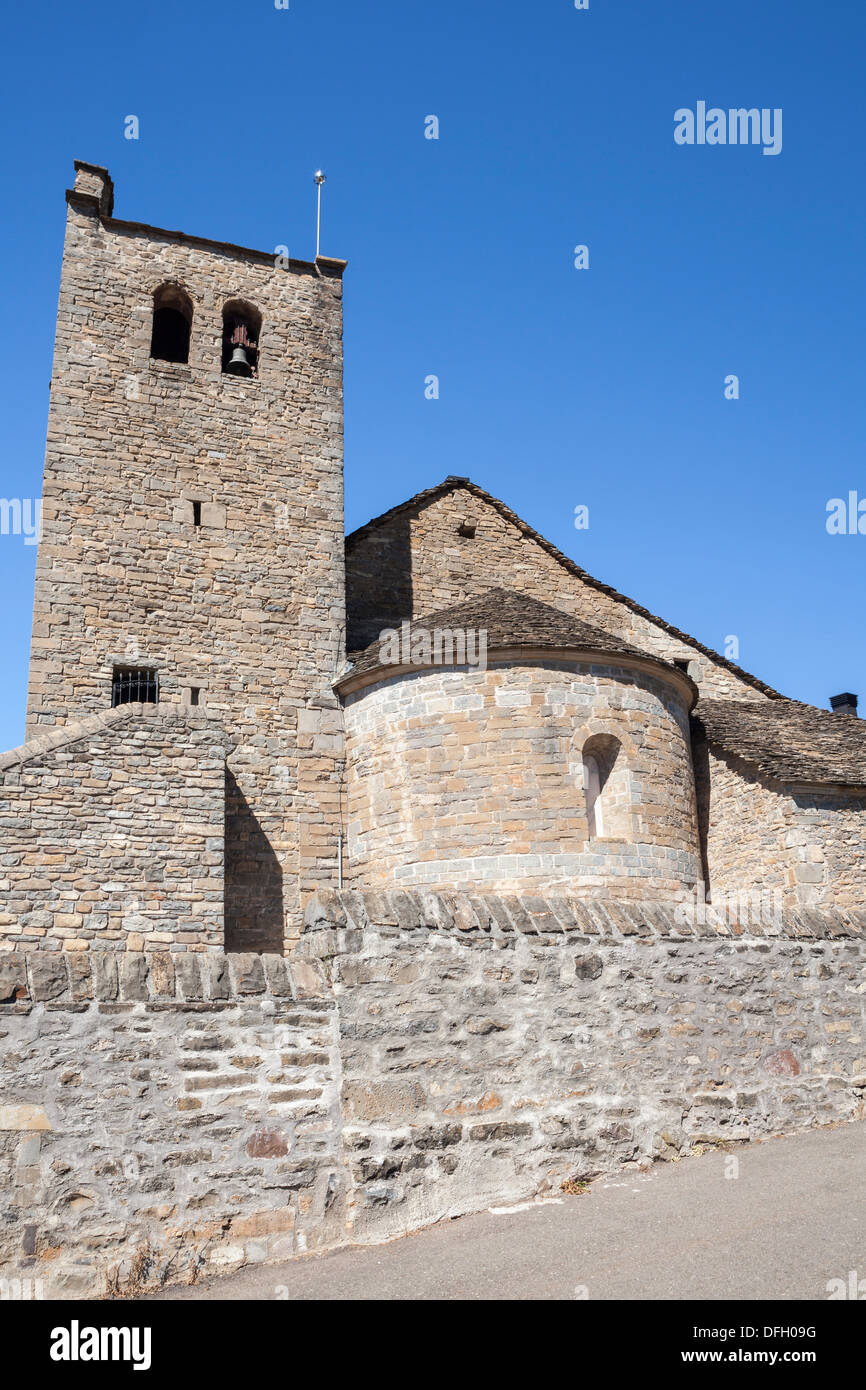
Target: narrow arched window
x,y
172,324
594,806
242,326
606,789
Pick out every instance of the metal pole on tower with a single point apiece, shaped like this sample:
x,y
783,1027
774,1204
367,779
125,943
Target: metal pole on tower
x,y
320,179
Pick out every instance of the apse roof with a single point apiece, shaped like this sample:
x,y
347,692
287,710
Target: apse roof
x,y
512,621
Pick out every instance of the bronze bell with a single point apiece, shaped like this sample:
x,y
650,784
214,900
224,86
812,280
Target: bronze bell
x,y
239,363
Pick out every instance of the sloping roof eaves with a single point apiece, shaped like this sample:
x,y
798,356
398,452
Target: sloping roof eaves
x,y
788,741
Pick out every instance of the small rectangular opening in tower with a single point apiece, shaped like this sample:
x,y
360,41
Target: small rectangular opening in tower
x,y
134,685
196,514
194,694
467,529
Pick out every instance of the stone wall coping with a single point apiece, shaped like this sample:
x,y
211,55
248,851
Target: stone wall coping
x,y
65,979
333,918
160,716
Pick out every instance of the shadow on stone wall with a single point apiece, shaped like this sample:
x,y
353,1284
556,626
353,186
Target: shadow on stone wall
x,y
378,583
701,764
253,880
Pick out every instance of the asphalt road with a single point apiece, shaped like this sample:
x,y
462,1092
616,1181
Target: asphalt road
x,y
794,1219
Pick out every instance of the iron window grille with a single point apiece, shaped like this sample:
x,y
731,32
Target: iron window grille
x,y
131,685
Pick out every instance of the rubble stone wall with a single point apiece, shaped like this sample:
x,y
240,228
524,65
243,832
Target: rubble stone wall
x,y
164,1115
169,1115
494,1047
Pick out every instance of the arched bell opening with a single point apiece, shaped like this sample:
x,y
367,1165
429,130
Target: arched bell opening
x,y
242,325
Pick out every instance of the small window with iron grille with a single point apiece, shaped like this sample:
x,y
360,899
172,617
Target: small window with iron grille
x,y
132,685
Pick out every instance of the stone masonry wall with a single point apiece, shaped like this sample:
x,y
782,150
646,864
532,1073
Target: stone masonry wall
x,y
167,1115
164,1116
464,778
493,1048
248,607
417,563
806,845
112,832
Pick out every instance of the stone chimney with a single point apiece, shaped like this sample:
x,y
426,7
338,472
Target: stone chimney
x,y
844,704
93,190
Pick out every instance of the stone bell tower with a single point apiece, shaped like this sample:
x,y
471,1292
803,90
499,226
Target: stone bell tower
x,y
192,547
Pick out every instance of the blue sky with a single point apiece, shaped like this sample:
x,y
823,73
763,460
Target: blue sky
x,y
558,387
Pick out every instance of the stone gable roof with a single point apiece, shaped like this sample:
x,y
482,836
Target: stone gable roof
x,y
513,620
788,741
452,483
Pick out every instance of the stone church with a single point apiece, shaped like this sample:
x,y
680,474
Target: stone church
x,y
348,884
214,732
